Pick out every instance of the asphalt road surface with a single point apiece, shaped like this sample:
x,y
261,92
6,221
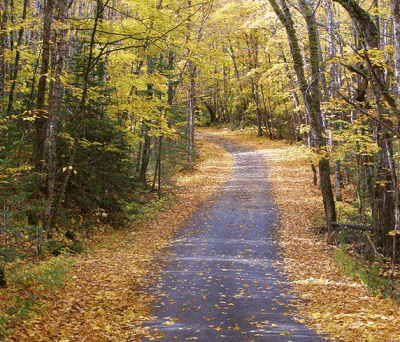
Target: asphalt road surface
x,y
221,279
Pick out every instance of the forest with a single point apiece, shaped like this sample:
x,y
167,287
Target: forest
x,y
99,101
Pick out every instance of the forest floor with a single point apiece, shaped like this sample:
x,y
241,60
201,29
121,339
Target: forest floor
x,y
104,299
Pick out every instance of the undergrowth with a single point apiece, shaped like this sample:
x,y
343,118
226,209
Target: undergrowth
x,y
28,287
353,265
369,274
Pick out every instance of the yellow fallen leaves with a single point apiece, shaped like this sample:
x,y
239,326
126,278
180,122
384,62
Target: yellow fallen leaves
x,y
334,304
104,301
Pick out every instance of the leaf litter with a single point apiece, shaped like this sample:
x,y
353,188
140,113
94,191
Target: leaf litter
x,y
104,301
332,303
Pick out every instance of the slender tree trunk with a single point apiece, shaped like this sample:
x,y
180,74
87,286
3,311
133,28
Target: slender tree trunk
x,y
313,97
239,82
268,113
330,23
256,102
139,157
252,51
395,191
157,170
191,111
395,6
41,115
145,160
58,56
16,61
298,121
338,181
3,48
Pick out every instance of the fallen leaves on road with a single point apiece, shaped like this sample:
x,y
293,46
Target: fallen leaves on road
x,y
103,301
332,303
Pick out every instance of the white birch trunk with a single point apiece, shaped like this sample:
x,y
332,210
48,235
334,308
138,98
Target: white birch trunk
x,y
395,6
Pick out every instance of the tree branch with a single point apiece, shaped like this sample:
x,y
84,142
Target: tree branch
x,y
363,111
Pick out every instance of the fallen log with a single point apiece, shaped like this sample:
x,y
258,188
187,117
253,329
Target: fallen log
x,y
351,226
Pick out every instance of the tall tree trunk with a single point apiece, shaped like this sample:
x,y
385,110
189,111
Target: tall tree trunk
x,y
268,113
298,120
41,115
252,51
256,102
191,104
157,169
145,157
311,93
191,111
330,24
338,181
395,6
17,60
314,101
3,48
58,56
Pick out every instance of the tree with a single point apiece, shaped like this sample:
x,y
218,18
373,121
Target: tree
x,y
3,46
55,107
311,94
395,7
40,115
385,196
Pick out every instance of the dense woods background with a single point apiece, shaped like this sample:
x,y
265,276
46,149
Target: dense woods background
x,y
98,102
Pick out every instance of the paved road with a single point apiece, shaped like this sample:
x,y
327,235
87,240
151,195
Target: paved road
x,y
220,281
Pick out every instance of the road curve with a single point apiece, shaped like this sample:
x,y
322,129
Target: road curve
x,y
221,279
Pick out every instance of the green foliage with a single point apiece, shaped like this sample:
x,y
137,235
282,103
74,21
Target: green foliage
x,y
370,275
52,246
50,275
28,286
145,208
77,246
350,212
9,254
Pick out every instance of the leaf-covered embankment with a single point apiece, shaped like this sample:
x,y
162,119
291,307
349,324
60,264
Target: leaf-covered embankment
x,y
103,300
333,303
